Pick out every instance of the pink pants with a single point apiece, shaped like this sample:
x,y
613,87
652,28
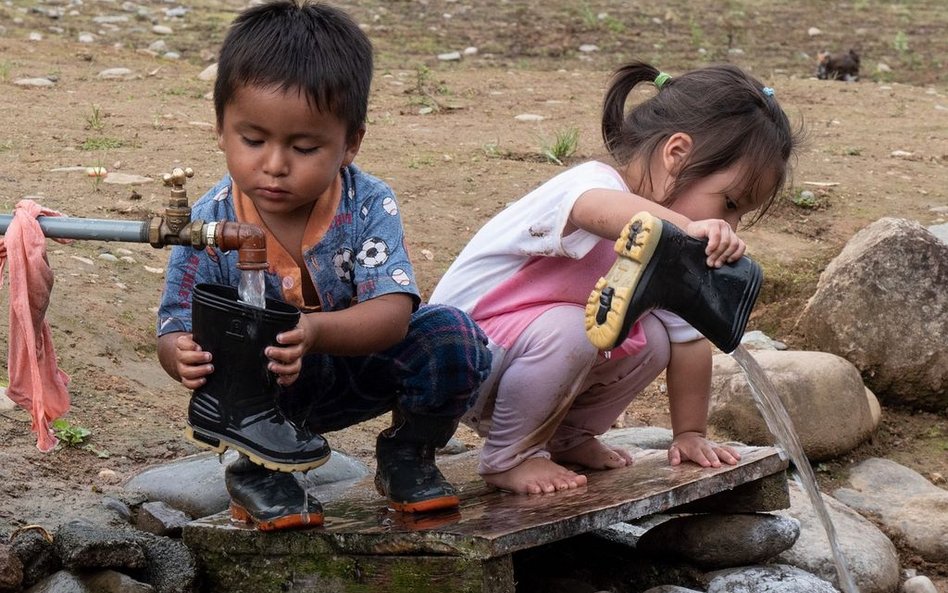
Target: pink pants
x,y
553,390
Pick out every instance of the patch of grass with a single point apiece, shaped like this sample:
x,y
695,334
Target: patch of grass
x,y
94,121
102,143
427,90
5,67
6,145
807,199
852,151
562,147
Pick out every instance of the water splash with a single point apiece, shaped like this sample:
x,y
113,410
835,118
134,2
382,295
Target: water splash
x,y
252,288
781,426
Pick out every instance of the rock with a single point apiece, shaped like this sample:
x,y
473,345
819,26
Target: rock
x,y
774,578
940,231
641,437
111,581
529,117
60,582
813,387
82,545
452,56
904,502
919,584
872,559
5,402
116,73
671,589
161,519
209,73
11,569
34,82
887,288
36,554
125,179
722,541
758,340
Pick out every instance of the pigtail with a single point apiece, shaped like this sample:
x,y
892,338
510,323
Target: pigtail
x,y
613,108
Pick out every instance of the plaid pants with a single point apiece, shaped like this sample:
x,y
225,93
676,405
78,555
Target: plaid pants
x,y
435,371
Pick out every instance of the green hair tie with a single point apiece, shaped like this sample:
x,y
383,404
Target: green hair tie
x,y
661,79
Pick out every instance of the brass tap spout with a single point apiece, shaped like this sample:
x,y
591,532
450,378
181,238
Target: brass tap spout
x,y
248,239
177,228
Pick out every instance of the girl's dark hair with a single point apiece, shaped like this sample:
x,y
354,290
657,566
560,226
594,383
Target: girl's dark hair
x,y
296,44
727,113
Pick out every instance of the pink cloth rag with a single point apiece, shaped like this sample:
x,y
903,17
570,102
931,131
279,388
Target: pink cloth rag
x,y
36,382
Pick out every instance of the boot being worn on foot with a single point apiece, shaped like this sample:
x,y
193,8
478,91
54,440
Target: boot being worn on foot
x,y
237,407
268,499
660,267
405,463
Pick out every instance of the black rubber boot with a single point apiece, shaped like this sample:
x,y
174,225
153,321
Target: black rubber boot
x,y
405,463
660,267
268,499
237,407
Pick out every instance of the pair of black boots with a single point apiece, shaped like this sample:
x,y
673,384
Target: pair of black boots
x,y
238,408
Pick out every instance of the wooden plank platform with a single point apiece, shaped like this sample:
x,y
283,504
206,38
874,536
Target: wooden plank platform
x,y
362,539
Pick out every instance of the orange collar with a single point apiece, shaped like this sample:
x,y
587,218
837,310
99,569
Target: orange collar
x,y
280,261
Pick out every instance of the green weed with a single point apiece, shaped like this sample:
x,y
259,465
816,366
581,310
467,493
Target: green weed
x,y
102,143
5,67
71,435
562,147
94,121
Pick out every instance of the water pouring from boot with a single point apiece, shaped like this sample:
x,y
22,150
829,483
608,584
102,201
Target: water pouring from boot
x,y
715,301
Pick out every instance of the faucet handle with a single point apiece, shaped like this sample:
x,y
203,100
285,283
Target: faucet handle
x,y
178,176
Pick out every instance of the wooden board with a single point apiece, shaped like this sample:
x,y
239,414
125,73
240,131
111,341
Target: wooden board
x,y
491,523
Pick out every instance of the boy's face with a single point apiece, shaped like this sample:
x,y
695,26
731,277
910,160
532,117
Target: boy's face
x,y
280,152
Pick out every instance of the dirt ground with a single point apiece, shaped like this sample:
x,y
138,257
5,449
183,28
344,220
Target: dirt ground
x,y
443,134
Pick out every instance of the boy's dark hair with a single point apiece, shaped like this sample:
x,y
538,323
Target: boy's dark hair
x,y
297,44
730,117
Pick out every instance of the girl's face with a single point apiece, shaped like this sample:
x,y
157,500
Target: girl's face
x,y
280,152
716,196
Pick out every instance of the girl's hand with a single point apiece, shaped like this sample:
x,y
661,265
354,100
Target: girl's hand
x,y
693,446
191,363
724,246
286,360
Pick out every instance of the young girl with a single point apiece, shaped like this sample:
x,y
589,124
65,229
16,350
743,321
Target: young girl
x,y
708,148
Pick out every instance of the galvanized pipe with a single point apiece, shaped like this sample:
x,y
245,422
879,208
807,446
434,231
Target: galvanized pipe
x,y
66,227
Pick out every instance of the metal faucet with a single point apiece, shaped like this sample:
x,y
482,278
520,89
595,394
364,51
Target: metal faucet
x,y
174,227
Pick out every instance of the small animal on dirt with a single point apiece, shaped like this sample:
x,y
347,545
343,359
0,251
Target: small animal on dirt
x,y
839,66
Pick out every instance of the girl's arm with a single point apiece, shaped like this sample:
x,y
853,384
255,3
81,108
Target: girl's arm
x,y
689,393
605,212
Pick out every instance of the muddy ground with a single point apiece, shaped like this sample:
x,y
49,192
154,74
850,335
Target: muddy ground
x,y
444,135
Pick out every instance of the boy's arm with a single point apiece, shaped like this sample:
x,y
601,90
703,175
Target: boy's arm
x,y
183,359
365,328
689,394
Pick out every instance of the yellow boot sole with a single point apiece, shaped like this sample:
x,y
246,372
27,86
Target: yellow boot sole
x,y
609,302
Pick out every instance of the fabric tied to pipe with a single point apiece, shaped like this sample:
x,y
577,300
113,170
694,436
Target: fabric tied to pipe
x,y
36,382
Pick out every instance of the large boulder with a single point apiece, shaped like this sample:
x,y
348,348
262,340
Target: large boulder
x,y
818,390
882,304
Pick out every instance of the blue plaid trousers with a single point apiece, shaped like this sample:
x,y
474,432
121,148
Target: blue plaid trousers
x,y
435,371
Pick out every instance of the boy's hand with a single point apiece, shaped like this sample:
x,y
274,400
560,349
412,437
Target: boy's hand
x,y
191,363
693,446
724,245
286,360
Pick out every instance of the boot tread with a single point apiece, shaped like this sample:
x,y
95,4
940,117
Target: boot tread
x,y
605,315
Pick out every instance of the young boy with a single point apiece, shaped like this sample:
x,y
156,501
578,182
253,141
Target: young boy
x,y
291,99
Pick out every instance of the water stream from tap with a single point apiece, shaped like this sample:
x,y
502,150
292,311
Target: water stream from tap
x,y
781,426
252,288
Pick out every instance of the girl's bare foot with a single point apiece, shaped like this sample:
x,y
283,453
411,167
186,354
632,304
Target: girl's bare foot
x,y
537,475
595,455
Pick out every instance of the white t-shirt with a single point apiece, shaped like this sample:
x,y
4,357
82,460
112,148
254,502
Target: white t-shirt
x,y
520,264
